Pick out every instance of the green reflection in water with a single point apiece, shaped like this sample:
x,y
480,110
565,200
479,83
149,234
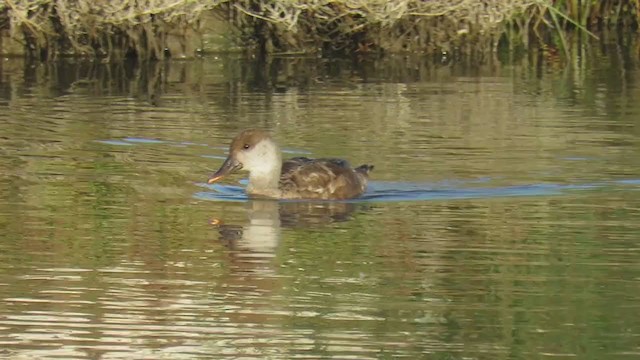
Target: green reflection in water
x,y
105,248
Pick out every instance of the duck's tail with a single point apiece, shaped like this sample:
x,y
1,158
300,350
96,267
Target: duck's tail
x,y
364,169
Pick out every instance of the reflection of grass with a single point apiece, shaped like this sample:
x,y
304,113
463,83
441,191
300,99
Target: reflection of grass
x,y
453,271
155,29
423,276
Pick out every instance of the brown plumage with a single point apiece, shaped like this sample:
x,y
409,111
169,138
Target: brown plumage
x,y
323,178
296,178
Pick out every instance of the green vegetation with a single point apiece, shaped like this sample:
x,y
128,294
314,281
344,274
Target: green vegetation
x,y
159,28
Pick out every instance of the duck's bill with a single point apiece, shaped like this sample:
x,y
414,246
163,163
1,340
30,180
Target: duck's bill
x,y
229,166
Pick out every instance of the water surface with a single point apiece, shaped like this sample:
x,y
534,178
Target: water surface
x,y
501,221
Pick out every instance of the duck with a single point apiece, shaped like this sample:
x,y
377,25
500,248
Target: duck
x,y
255,151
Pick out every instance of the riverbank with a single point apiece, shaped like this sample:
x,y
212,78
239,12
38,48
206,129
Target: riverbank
x,y
162,28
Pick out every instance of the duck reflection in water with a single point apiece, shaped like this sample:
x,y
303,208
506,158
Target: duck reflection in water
x,y
258,239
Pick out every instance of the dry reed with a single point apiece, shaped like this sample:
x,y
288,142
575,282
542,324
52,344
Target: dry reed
x,y
116,28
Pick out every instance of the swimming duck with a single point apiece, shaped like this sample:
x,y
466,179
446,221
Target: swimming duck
x,y
255,151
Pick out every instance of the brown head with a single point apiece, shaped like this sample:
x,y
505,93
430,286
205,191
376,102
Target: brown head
x,y
254,151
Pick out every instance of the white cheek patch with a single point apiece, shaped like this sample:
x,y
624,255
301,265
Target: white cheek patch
x,y
262,157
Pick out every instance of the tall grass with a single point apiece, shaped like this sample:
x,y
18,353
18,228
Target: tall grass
x,y
144,29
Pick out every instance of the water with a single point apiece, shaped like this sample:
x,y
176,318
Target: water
x,y
501,221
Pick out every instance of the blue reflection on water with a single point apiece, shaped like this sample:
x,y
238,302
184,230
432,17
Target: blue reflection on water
x,y
383,191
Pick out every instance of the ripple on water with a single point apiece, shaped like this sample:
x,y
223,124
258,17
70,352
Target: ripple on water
x,y
106,254
394,191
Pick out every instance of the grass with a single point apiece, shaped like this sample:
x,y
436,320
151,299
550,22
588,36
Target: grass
x,y
155,29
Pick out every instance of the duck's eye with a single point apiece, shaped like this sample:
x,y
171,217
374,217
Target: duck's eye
x,y
246,146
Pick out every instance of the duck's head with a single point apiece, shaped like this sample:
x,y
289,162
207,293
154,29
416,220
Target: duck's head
x,y
254,151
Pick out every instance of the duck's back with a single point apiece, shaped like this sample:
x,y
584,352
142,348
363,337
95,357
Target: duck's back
x,y
306,178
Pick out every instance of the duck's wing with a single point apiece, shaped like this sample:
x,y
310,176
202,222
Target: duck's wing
x,y
321,179
293,163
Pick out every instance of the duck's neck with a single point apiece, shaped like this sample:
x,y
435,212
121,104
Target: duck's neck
x,y
264,177
267,180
